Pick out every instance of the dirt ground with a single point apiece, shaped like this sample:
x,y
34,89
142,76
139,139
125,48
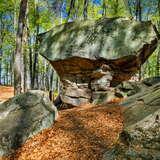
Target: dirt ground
x,y
6,93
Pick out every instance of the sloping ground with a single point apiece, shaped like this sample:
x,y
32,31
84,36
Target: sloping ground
x,y
6,93
140,139
82,133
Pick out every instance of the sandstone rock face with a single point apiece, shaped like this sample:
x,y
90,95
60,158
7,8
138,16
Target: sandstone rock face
x,y
129,88
94,55
22,117
141,136
151,81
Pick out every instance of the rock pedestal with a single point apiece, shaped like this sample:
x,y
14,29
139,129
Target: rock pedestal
x,y
91,57
84,81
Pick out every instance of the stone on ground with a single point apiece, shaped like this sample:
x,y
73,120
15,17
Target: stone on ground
x,y
140,138
23,116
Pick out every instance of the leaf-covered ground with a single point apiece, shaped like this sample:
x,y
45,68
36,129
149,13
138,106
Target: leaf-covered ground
x,y
82,133
6,93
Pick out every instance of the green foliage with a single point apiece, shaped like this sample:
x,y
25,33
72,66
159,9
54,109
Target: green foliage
x,y
116,8
47,14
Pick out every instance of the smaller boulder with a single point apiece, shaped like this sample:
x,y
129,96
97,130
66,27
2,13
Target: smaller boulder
x,y
128,88
151,81
23,116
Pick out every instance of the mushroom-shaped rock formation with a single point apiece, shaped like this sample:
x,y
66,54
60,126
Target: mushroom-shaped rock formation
x,y
91,57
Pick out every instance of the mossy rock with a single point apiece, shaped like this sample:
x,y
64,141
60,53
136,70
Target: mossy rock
x,y
23,116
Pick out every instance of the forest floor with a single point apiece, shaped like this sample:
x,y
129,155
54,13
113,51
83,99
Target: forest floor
x,y
6,93
81,133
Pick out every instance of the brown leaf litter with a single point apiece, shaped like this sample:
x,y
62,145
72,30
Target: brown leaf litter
x,y
81,133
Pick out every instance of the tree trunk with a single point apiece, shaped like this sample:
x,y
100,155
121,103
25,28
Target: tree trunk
x,y
2,34
51,79
104,8
138,10
18,61
158,63
72,4
0,65
30,58
116,6
25,62
85,9
128,8
139,18
158,55
35,63
0,68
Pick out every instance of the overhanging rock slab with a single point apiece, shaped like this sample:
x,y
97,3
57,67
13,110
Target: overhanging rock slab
x,y
94,55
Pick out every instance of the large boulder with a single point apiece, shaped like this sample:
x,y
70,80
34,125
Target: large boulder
x,y
140,138
87,53
23,116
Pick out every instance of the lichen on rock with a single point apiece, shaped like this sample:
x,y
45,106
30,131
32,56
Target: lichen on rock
x,y
87,52
23,116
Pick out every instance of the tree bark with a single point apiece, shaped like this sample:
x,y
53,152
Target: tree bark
x,y
158,55
138,10
116,6
85,9
18,59
2,35
30,58
72,4
139,18
35,63
104,8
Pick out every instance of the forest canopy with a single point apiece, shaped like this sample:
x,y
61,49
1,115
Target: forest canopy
x,y
42,15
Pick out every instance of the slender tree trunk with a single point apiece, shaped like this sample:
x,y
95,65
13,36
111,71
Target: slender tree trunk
x,y
10,69
128,8
51,89
116,6
18,62
29,43
104,8
15,22
77,10
35,63
0,68
158,55
71,7
47,76
7,74
2,34
51,79
30,58
158,63
85,9
25,64
138,10
1,54
139,18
